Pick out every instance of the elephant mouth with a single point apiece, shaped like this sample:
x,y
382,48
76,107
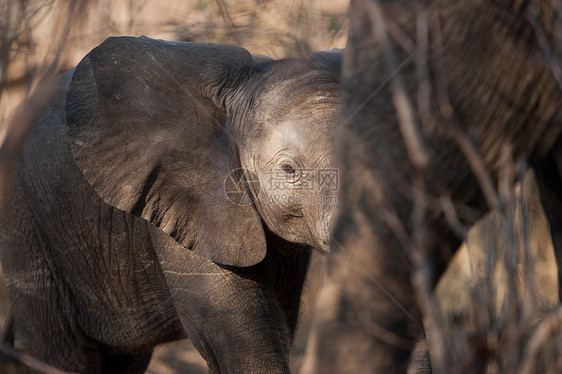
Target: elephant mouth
x,y
323,231
323,247
319,240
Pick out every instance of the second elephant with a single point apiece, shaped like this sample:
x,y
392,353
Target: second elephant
x,y
442,99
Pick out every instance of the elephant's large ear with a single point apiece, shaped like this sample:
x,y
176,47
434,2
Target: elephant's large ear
x,y
147,126
331,58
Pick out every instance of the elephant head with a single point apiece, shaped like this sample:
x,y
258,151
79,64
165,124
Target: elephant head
x,y
208,142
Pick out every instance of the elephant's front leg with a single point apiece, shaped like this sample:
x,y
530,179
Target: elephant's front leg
x,y
366,314
235,323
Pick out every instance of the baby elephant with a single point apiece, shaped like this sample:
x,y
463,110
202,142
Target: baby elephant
x,y
171,190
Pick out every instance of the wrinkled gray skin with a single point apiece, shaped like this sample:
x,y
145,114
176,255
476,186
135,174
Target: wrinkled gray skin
x,y
502,92
118,235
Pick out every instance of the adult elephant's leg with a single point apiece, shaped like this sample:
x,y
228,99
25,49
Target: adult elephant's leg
x,y
547,172
234,321
375,316
367,316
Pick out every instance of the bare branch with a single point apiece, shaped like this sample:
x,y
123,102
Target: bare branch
x,y
550,325
7,334
30,361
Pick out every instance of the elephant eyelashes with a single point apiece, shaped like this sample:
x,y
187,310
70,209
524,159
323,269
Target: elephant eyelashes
x,y
287,168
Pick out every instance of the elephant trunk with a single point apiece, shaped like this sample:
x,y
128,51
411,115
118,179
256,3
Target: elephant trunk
x,y
322,227
324,230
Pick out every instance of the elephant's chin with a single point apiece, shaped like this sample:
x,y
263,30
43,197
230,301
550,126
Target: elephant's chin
x,y
319,235
320,241
316,243
323,247
324,235
297,229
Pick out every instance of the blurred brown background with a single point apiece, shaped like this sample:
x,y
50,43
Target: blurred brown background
x,y
34,33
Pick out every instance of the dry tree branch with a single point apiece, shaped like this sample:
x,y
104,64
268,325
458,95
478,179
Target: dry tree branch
x,y
6,347
542,39
549,326
418,156
415,146
225,13
18,128
512,310
29,361
32,105
7,333
422,68
468,149
450,212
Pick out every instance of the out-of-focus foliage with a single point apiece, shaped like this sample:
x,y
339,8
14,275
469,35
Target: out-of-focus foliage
x,y
40,36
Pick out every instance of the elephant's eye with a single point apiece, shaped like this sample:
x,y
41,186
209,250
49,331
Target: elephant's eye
x,y
287,168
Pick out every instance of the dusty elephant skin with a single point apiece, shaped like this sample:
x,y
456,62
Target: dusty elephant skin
x,y
491,81
120,233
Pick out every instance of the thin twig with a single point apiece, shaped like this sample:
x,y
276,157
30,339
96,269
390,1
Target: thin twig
x,y
553,63
7,334
413,138
374,280
30,361
549,326
512,313
468,149
422,68
450,213
418,156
